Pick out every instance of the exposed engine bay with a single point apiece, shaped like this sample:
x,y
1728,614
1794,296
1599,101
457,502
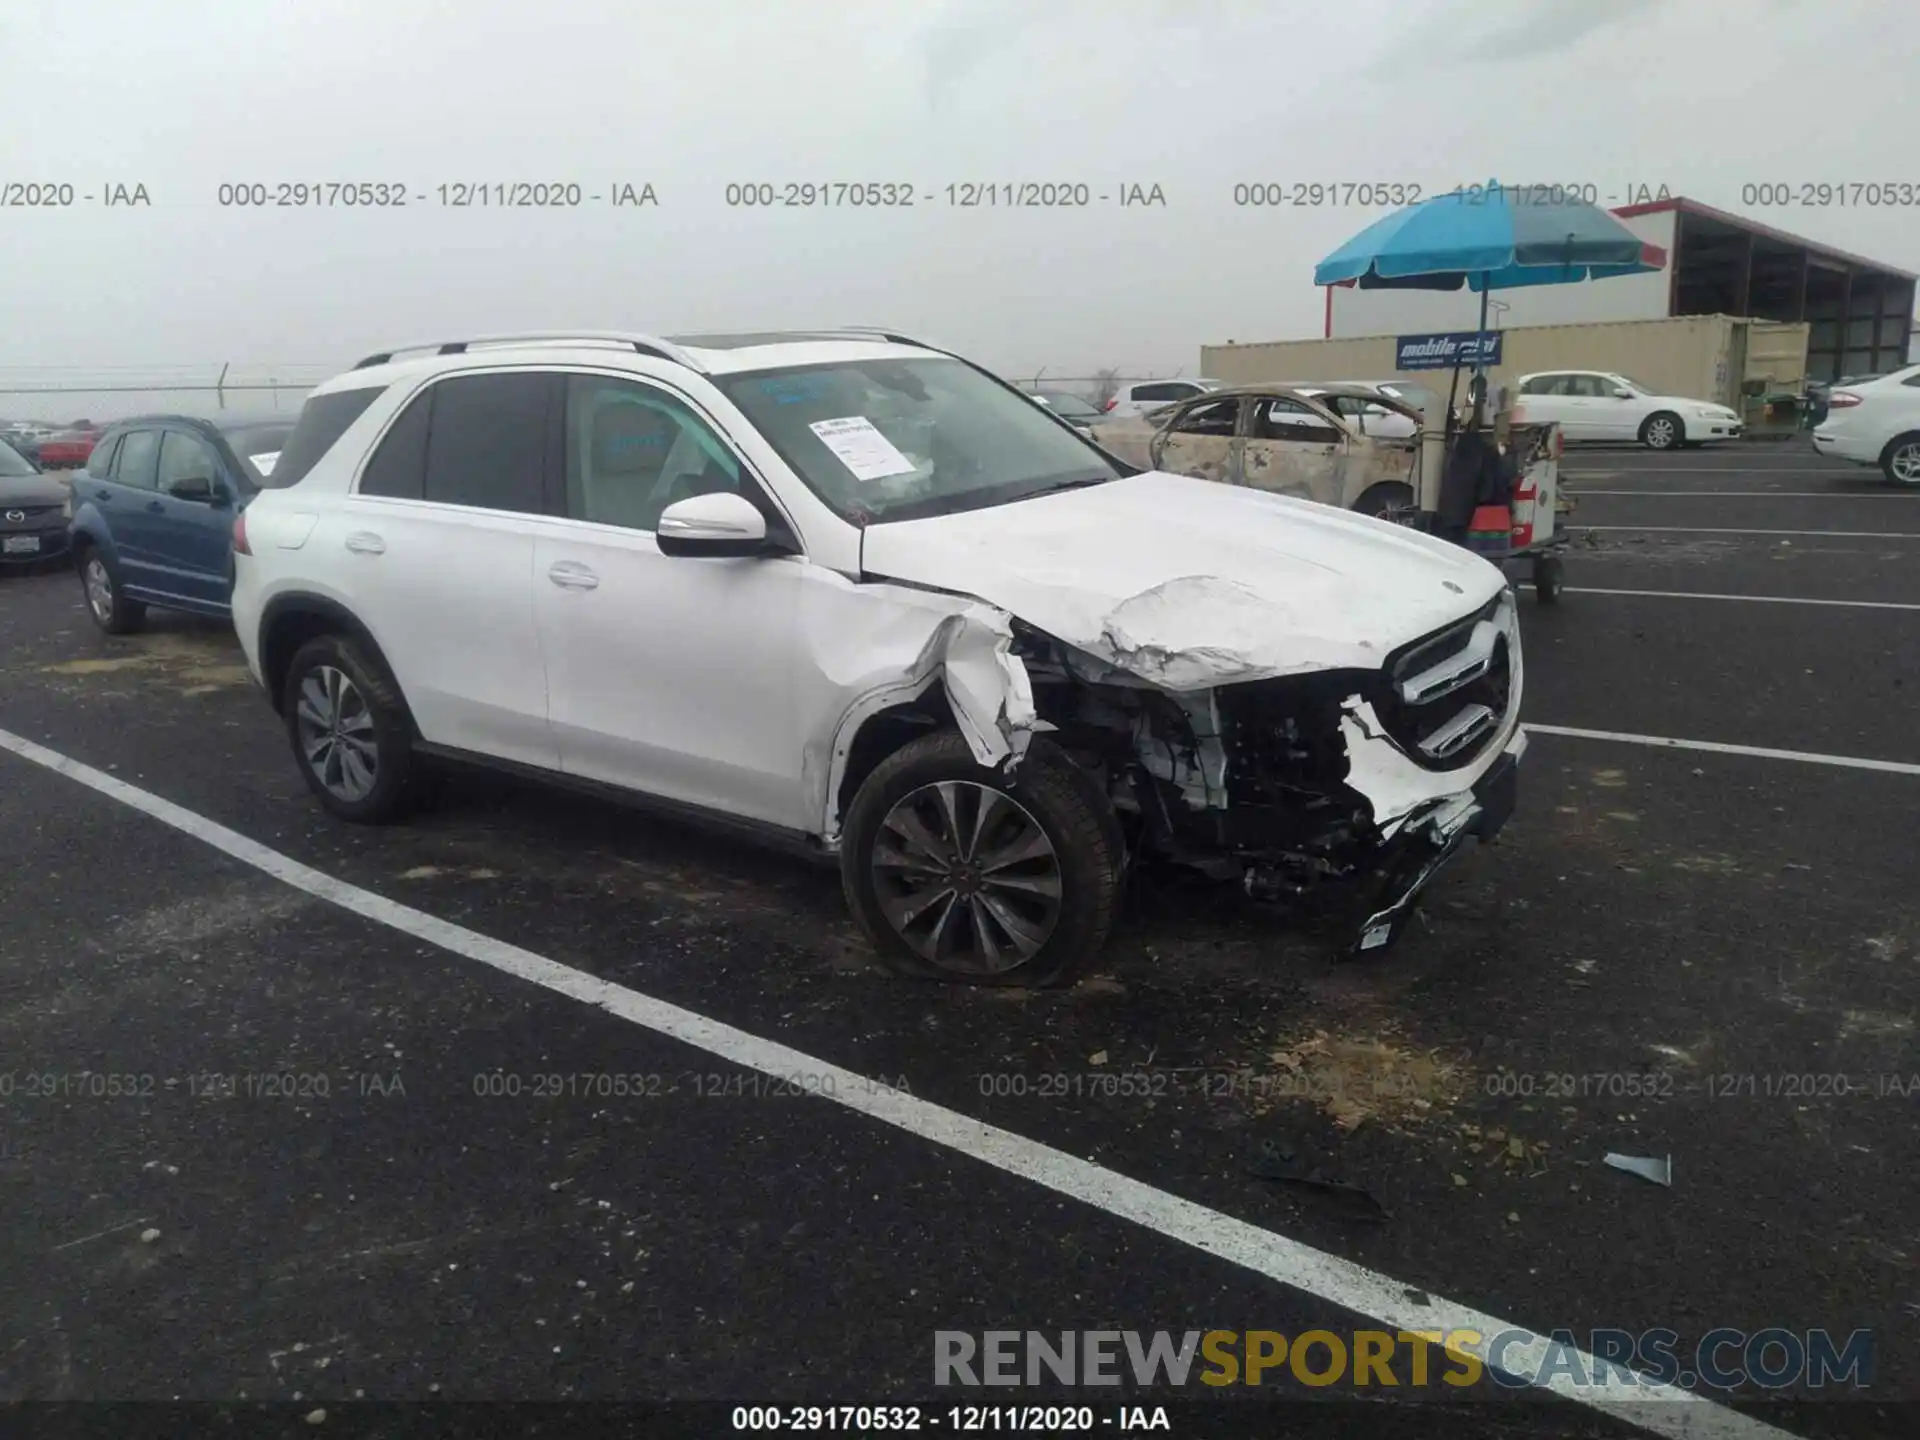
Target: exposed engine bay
x,y
1338,789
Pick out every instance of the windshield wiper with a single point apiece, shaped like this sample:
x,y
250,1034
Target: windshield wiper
x,y
1082,483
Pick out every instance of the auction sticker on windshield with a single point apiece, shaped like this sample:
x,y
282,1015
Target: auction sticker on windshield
x,y
862,448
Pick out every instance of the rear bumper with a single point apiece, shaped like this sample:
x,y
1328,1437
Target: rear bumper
x,y
1842,446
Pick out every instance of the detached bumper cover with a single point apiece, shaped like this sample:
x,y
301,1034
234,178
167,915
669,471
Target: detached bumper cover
x,y
1432,840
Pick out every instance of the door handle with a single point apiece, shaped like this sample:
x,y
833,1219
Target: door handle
x,y
155,506
571,575
365,542
103,494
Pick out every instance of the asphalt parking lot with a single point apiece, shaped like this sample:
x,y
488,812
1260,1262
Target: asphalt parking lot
x,y
364,1153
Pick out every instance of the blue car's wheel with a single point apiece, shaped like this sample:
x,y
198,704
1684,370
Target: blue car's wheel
x,y
107,600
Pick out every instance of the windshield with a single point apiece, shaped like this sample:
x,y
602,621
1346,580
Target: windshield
x,y
12,462
1071,406
901,439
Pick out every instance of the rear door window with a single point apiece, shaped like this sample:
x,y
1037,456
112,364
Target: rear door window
x,y
487,441
1280,418
1220,417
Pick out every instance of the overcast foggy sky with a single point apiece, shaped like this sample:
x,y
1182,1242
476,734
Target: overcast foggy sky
x,y
1195,95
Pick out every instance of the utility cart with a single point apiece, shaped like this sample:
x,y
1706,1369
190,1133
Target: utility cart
x,y
1539,541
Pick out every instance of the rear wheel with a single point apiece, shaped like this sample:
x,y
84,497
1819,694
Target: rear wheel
x,y
349,731
958,873
1900,461
1389,500
1663,430
107,601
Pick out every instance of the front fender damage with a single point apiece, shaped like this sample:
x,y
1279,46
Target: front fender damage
x,y
986,684
896,648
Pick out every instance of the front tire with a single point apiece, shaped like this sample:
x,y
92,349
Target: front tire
x,y
1900,461
958,873
106,597
1663,430
349,731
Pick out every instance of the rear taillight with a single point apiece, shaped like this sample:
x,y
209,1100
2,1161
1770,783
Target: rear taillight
x,y
1111,403
1841,399
240,546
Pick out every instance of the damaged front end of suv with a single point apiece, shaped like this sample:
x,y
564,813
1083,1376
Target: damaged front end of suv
x,y
1340,792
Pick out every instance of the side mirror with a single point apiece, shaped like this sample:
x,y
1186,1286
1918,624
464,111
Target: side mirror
x,y
1623,395
723,524
198,488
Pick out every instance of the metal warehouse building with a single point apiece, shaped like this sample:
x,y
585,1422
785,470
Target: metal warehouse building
x,y
1737,311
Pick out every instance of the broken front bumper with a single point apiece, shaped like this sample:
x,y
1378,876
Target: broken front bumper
x,y
1428,842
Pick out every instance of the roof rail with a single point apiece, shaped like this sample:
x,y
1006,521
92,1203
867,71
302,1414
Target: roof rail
x,y
890,335
641,344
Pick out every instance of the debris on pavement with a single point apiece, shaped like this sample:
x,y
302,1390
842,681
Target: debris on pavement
x,y
1659,1171
1355,1079
1282,1159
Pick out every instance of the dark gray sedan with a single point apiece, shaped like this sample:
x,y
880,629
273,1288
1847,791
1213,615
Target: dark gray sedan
x,y
34,508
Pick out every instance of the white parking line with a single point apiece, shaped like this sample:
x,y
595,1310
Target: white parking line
x,y
1657,1408
1859,472
1750,599
1722,530
1717,747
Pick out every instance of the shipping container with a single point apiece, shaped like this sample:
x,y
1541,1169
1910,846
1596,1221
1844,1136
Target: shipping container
x,y
1717,358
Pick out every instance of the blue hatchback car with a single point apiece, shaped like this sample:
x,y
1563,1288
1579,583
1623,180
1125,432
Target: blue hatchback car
x,y
153,512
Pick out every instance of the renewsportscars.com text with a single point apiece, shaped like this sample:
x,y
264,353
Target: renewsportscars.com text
x,y
1723,1359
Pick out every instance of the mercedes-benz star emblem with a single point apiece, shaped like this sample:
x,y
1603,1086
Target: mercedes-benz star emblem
x,y
14,517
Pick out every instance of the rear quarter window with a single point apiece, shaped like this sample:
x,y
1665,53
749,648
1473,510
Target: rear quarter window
x,y
323,420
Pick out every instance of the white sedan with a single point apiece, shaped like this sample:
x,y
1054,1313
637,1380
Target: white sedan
x,y
1876,422
1605,405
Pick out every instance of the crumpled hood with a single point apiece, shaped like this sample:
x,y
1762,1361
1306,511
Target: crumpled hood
x,y
1191,583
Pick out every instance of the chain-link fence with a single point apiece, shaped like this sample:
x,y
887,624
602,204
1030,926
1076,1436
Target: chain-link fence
x,y
1097,388
54,397
67,397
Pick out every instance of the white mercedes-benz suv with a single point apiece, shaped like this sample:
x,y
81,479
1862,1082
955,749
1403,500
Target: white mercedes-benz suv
x,y
852,592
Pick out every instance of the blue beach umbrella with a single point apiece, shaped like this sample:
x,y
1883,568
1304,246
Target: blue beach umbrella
x,y
1489,237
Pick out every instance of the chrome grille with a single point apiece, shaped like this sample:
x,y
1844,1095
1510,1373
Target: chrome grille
x,y
1446,694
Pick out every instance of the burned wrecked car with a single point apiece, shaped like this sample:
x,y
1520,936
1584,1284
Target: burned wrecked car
x,y
848,591
1353,446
